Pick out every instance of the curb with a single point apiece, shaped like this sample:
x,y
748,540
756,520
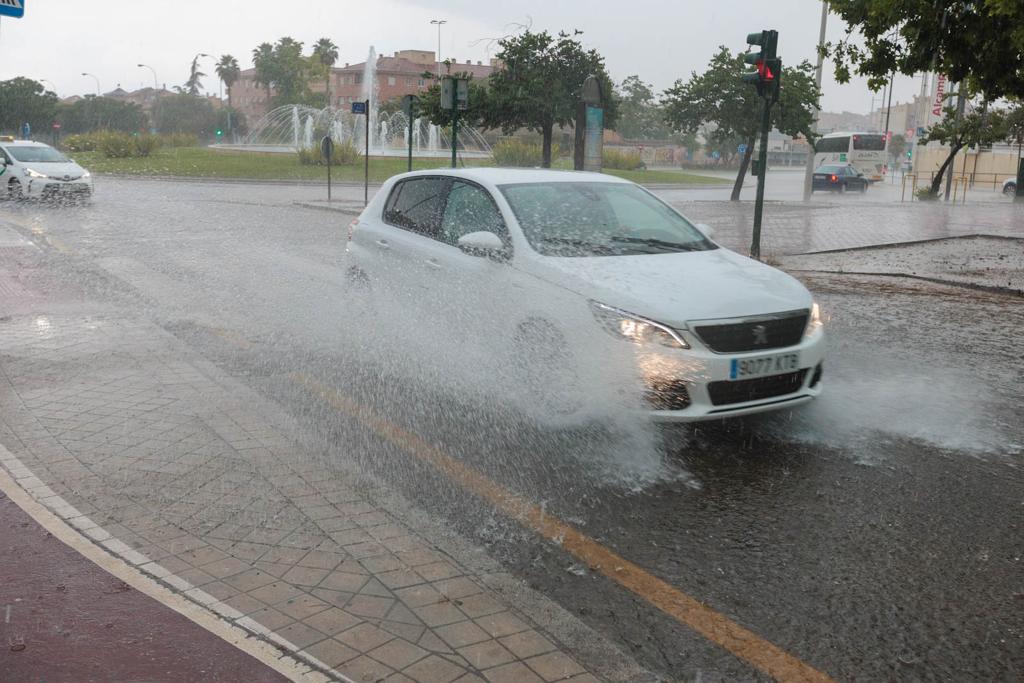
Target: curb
x,y
910,243
347,210
991,289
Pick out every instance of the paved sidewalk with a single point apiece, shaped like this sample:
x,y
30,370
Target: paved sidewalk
x,y
195,474
65,619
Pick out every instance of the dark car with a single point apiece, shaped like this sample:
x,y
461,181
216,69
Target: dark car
x,y
839,179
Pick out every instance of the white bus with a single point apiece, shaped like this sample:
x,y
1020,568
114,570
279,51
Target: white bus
x,y
864,151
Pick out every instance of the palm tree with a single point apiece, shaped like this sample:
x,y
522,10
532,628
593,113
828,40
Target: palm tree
x,y
263,61
193,84
326,52
228,71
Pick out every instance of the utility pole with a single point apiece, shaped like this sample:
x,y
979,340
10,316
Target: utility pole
x,y
809,170
888,113
439,23
960,102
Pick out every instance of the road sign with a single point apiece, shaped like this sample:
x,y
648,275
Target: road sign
x,y
359,107
910,133
447,92
12,8
716,155
741,149
409,105
462,94
327,147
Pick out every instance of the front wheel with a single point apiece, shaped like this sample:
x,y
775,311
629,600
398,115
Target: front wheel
x,y
14,191
545,368
1010,189
863,188
842,188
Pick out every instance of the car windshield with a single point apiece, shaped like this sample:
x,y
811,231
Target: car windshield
x,y
599,219
36,154
831,169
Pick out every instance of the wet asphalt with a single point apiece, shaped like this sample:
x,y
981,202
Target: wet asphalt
x,y
877,534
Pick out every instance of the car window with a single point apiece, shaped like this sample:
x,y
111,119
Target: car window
x,y
417,204
599,219
470,208
830,169
36,154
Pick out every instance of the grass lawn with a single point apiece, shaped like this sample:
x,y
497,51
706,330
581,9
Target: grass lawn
x,y
203,162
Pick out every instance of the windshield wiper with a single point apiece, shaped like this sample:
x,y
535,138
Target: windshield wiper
x,y
651,242
577,243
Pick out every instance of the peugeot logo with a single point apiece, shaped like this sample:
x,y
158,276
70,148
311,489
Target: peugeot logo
x,y
760,334
67,177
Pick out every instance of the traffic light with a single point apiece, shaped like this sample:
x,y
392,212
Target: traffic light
x,y
766,62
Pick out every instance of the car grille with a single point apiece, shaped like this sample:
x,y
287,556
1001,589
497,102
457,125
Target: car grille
x,y
725,393
668,394
754,335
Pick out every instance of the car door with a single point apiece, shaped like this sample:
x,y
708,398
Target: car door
x,y
395,246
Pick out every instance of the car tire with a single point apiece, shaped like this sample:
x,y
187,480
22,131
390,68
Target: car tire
x,y
14,191
863,188
842,188
545,369
1010,189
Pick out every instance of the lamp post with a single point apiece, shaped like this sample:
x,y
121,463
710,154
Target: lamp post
x,y
85,73
809,169
439,22
156,85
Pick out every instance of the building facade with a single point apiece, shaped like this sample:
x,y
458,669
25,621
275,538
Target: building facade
x,y
399,75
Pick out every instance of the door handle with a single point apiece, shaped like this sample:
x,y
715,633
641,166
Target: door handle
x,y
383,244
433,263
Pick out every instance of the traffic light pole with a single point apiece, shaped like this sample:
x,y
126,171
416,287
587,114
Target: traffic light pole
x,y
455,133
766,122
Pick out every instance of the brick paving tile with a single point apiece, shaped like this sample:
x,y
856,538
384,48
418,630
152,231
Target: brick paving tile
x,y
479,605
376,588
244,604
350,537
221,569
502,624
434,669
470,678
221,591
414,558
366,549
332,620
331,652
300,635
364,637
305,576
462,633
197,577
487,654
369,606
430,641
319,559
383,563
439,614
527,644
554,666
458,587
283,555
410,632
398,653
513,672
398,678
403,614
438,571
203,556
271,618
333,524
276,592
584,678
275,569
418,596
365,670
344,581
249,580
400,578
400,544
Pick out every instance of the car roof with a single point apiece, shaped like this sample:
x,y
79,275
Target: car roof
x,y
510,176
24,143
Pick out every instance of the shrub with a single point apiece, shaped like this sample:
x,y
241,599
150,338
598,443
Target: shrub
x,y
116,145
178,140
85,142
146,144
522,154
925,194
345,154
625,161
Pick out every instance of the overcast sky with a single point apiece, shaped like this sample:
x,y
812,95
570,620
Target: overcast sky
x,y
659,40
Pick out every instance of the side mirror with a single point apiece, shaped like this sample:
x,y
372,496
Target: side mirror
x,y
708,231
482,243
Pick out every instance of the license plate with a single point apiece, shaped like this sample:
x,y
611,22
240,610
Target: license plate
x,y
762,366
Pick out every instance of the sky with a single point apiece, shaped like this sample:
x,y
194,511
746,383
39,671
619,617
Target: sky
x,y
659,40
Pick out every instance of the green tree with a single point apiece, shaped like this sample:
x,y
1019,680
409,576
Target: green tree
x,y
978,43
228,72
101,113
980,127
897,148
194,82
326,53
728,110
291,72
183,113
641,116
539,84
23,100
263,64
429,104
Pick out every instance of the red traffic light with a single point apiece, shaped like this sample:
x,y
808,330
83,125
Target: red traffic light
x,y
767,75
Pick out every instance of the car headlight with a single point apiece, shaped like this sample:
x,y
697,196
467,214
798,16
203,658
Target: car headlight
x,y
636,329
815,323
86,174
34,174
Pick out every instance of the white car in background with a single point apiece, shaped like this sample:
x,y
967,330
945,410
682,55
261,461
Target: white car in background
x,y
561,276
36,170
1010,186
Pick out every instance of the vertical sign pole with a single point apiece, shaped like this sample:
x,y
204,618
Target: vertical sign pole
x,y
755,244
366,158
410,137
328,174
455,132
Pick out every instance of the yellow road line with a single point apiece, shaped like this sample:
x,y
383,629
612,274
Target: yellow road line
x,y
716,627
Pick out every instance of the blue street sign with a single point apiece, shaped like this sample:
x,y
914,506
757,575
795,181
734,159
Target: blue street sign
x,y
716,155
742,149
12,8
357,107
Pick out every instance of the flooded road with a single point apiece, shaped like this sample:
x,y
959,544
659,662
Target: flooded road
x,y
875,534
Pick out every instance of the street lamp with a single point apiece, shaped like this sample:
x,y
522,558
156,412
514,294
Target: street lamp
x,y
85,73
156,85
439,22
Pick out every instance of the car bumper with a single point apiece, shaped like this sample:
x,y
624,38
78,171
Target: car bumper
x,y
696,384
51,188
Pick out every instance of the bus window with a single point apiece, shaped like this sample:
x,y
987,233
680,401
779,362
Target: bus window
x,y
832,145
869,143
